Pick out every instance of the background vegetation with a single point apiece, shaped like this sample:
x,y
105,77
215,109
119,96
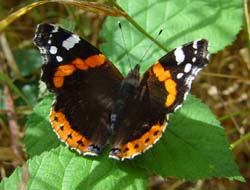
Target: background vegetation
x,y
25,133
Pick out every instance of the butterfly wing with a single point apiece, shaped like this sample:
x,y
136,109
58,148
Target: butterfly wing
x,y
84,83
162,90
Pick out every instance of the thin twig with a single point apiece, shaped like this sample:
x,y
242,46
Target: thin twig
x,y
240,140
9,102
138,27
176,185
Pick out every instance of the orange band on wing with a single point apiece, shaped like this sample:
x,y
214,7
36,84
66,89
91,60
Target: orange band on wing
x,y
78,63
140,145
66,134
164,76
158,69
95,60
61,72
170,85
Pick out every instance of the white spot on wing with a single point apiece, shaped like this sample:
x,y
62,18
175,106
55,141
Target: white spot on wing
x,y
53,50
42,50
70,42
179,75
59,58
196,71
179,55
192,76
55,30
195,44
194,59
188,67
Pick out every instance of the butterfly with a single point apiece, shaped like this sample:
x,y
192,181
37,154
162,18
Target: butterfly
x,y
95,105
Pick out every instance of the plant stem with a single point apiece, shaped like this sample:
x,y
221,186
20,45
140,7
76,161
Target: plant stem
x,y
241,140
136,25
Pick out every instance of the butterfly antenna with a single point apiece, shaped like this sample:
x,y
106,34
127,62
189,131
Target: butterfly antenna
x,y
124,43
142,58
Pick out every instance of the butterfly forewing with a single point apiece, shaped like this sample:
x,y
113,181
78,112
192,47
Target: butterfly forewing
x,y
174,73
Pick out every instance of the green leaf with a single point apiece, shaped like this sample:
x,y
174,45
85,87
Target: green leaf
x,y
39,136
61,169
69,25
28,60
30,90
182,21
13,87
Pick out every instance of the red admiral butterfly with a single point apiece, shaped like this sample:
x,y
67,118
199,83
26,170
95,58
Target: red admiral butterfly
x,y
94,103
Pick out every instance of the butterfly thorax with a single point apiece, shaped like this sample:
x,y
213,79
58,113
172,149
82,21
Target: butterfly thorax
x,y
127,95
